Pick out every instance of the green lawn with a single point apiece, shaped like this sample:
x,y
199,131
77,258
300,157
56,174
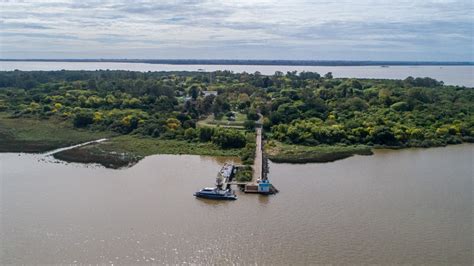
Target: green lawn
x,y
210,121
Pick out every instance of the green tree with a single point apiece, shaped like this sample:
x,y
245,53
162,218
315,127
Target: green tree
x,y
83,119
249,124
205,134
194,92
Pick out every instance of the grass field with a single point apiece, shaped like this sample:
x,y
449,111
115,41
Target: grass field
x,y
210,121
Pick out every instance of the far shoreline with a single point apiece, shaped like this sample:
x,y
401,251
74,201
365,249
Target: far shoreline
x,y
263,62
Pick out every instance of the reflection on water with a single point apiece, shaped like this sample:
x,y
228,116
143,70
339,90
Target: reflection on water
x,y
263,200
409,206
221,160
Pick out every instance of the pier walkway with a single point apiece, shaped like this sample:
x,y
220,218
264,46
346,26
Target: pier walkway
x,y
259,183
258,161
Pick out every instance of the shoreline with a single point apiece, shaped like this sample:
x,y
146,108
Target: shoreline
x,y
116,153
125,151
26,135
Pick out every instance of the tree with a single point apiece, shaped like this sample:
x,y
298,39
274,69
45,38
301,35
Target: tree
x,y
355,84
190,134
194,92
383,135
328,75
249,124
129,123
205,106
384,96
205,134
220,105
83,119
164,103
173,123
310,75
356,104
252,115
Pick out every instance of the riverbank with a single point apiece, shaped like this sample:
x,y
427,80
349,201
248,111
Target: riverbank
x,y
37,136
125,151
42,135
284,153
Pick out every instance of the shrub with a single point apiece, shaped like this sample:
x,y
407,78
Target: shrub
x,y
244,174
190,134
83,119
252,115
248,154
205,134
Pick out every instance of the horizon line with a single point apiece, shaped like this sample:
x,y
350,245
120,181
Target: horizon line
x,y
293,62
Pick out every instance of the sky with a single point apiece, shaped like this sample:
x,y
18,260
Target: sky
x,y
414,30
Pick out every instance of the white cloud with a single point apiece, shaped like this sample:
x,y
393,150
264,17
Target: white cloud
x,y
298,29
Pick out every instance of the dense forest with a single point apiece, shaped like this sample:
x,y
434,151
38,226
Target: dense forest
x,y
298,108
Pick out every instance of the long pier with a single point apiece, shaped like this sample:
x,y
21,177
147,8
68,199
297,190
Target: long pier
x,y
258,161
259,183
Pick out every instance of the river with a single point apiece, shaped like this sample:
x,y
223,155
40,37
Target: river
x,y
398,206
451,75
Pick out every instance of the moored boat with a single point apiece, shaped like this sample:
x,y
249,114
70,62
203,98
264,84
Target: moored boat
x,y
216,193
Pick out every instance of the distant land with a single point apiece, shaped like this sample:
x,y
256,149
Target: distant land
x,y
259,62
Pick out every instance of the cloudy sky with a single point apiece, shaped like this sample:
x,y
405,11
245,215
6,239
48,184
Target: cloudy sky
x,y
438,30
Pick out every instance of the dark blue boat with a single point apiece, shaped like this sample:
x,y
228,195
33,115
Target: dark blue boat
x,y
216,193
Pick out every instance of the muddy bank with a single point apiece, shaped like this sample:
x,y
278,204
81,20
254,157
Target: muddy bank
x,y
126,150
91,153
11,145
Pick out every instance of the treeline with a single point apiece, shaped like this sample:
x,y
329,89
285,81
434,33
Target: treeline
x,y
298,108
412,112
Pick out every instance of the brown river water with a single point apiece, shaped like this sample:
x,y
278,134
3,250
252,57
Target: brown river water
x,y
403,206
